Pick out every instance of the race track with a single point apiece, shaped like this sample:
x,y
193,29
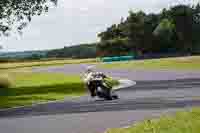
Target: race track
x,y
147,99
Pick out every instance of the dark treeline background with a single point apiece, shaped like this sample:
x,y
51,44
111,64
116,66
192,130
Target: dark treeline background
x,y
76,52
79,51
172,32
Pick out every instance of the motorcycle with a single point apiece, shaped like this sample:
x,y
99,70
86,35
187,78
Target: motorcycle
x,y
103,89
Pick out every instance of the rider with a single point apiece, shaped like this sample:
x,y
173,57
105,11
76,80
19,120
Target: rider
x,y
91,79
88,79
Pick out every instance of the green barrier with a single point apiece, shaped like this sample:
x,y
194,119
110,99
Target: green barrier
x,y
117,58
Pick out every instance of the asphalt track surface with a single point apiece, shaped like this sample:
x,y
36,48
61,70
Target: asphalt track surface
x,y
147,99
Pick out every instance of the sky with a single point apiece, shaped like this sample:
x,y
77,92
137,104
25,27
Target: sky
x,y
77,22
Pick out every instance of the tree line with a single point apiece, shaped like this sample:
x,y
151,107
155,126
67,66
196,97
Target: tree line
x,y
78,51
174,30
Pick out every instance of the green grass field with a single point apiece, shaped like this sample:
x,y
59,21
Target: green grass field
x,y
15,65
29,88
181,63
181,122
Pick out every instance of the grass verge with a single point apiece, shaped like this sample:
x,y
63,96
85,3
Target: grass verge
x,y
181,122
15,65
181,63
30,88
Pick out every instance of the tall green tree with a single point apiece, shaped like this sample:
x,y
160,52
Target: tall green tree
x,y
15,14
174,30
115,31
164,33
135,29
148,41
196,30
182,16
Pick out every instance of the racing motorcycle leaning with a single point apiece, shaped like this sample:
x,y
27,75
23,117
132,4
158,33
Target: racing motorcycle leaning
x,y
102,89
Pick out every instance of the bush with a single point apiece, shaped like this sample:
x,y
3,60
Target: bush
x,y
5,81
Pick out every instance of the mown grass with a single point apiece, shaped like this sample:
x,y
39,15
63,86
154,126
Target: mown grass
x,y
15,65
29,88
181,63
181,122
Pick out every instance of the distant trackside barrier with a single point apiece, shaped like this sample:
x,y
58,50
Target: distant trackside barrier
x,y
117,58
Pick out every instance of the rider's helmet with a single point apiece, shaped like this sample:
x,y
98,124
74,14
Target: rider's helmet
x,y
90,69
